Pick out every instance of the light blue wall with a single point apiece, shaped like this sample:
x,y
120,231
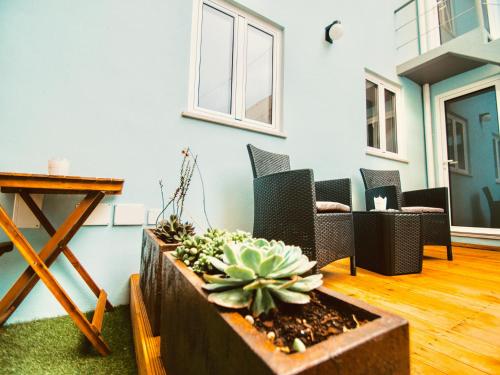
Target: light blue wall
x,y
104,83
445,86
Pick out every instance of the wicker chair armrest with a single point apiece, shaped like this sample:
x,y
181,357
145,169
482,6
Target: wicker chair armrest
x,y
5,247
435,197
389,192
334,191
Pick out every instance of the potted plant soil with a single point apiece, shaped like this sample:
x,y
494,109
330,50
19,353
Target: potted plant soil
x,y
255,310
166,236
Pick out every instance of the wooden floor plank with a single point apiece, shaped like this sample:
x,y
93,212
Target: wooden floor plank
x,y
453,308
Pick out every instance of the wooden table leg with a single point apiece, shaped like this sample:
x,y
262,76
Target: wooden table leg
x,y
39,267
48,254
44,221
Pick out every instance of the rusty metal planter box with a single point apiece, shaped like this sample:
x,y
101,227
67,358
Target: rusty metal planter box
x,y
199,338
151,276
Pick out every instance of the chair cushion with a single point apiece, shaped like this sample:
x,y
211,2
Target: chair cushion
x,y
422,209
324,206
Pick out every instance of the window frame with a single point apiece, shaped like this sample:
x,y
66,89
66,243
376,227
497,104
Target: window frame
x,y
384,84
454,167
243,18
496,153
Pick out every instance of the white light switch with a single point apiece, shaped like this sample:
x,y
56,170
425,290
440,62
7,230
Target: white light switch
x,y
100,216
129,214
153,215
22,215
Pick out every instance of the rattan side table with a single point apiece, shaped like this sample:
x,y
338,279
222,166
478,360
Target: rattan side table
x,y
388,242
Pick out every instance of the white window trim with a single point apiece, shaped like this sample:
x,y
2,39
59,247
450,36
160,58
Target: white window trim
x,y
441,154
242,17
454,167
382,152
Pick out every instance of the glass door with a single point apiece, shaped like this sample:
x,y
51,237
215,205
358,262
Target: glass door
x,y
473,159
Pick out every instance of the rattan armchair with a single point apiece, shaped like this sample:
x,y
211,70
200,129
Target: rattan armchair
x,y
435,226
285,209
494,208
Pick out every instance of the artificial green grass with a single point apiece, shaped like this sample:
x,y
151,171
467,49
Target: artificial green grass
x,y
56,346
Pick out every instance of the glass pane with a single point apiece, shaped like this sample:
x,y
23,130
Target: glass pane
x,y
446,25
391,135
456,17
459,140
259,85
216,61
475,125
496,151
451,143
372,124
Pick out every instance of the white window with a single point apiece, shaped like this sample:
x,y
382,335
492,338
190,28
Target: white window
x,y
383,107
236,68
496,153
458,147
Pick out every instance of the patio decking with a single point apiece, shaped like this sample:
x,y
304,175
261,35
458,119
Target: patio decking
x,y
453,308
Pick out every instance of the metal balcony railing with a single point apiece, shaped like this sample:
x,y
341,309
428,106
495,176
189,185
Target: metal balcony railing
x,y
419,29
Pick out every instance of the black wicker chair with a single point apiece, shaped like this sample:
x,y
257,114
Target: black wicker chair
x,y
494,208
285,209
435,226
5,247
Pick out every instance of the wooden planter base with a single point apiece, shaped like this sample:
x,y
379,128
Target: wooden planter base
x,y
199,338
150,280
147,347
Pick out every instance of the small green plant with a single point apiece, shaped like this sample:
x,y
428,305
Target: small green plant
x,y
173,229
195,251
257,271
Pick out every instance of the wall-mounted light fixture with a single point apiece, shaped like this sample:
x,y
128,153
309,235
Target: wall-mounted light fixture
x,y
334,31
484,117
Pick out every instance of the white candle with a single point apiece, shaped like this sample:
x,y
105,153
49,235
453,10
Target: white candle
x,y
380,203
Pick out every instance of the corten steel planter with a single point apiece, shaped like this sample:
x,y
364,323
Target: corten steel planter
x,y
151,276
199,338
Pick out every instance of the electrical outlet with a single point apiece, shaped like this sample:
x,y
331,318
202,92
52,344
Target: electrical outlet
x,y
22,215
129,214
100,216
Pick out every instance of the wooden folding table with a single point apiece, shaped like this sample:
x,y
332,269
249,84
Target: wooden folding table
x,y
94,190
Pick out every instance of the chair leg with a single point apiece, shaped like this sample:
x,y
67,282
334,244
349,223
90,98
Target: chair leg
x,y
449,252
353,266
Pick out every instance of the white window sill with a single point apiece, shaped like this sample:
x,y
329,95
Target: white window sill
x,y
385,155
460,172
233,123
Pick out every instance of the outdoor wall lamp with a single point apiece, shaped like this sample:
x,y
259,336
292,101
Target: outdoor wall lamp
x,y
334,31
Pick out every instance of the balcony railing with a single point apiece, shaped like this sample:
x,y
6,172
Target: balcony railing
x,y
421,25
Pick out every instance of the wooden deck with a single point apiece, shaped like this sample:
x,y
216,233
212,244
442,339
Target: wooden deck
x,y
453,308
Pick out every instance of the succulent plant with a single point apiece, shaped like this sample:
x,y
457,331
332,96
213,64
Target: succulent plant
x,y
173,230
257,271
195,251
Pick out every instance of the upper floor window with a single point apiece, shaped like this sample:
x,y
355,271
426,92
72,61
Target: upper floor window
x,y
236,76
382,113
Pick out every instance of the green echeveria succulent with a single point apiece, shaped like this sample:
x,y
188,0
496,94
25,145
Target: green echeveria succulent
x,y
256,272
195,251
173,230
